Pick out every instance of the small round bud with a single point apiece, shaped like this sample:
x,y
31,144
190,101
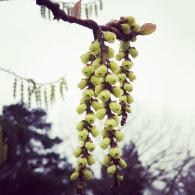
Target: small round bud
x,y
110,52
101,71
130,20
96,106
115,107
96,63
119,56
124,45
85,58
119,177
125,28
136,27
87,70
87,174
81,162
81,108
74,176
114,67
131,76
115,152
128,87
80,126
127,64
88,93
129,99
90,118
95,48
111,169
121,77
117,91
123,99
83,135
106,161
98,89
94,131
90,160
133,52
90,146
109,37
128,108
110,124
95,80
119,135
100,114
77,152
104,95
111,79
82,84
105,143
122,163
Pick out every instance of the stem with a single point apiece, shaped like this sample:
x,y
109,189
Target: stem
x,y
88,23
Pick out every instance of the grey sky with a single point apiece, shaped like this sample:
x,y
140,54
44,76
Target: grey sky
x,y
44,50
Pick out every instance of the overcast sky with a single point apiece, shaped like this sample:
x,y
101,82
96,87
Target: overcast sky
x,y
44,50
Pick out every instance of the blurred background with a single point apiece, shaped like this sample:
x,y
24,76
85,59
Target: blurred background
x,y
159,134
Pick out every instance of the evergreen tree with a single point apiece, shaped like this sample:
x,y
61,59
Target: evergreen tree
x,y
32,166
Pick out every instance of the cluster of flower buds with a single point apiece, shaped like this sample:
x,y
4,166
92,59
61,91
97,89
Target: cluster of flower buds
x,y
93,71
106,95
126,76
109,92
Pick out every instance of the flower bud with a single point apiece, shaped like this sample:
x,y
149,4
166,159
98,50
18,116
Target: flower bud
x,y
87,70
125,28
81,108
128,87
133,52
83,135
127,64
104,95
109,37
119,56
77,152
82,84
110,52
105,143
87,174
74,176
111,79
114,67
90,160
81,162
122,163
117,91
111,169
96,63
94,131
130,20
131,76
90,118
85,58
110,124
115,152
100,114
119,135
115,107
101,71
106,161
90,146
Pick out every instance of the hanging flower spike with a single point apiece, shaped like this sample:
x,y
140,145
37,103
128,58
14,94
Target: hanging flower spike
x,y
89,105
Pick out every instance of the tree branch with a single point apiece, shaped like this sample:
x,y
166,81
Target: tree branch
x,y
88,23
